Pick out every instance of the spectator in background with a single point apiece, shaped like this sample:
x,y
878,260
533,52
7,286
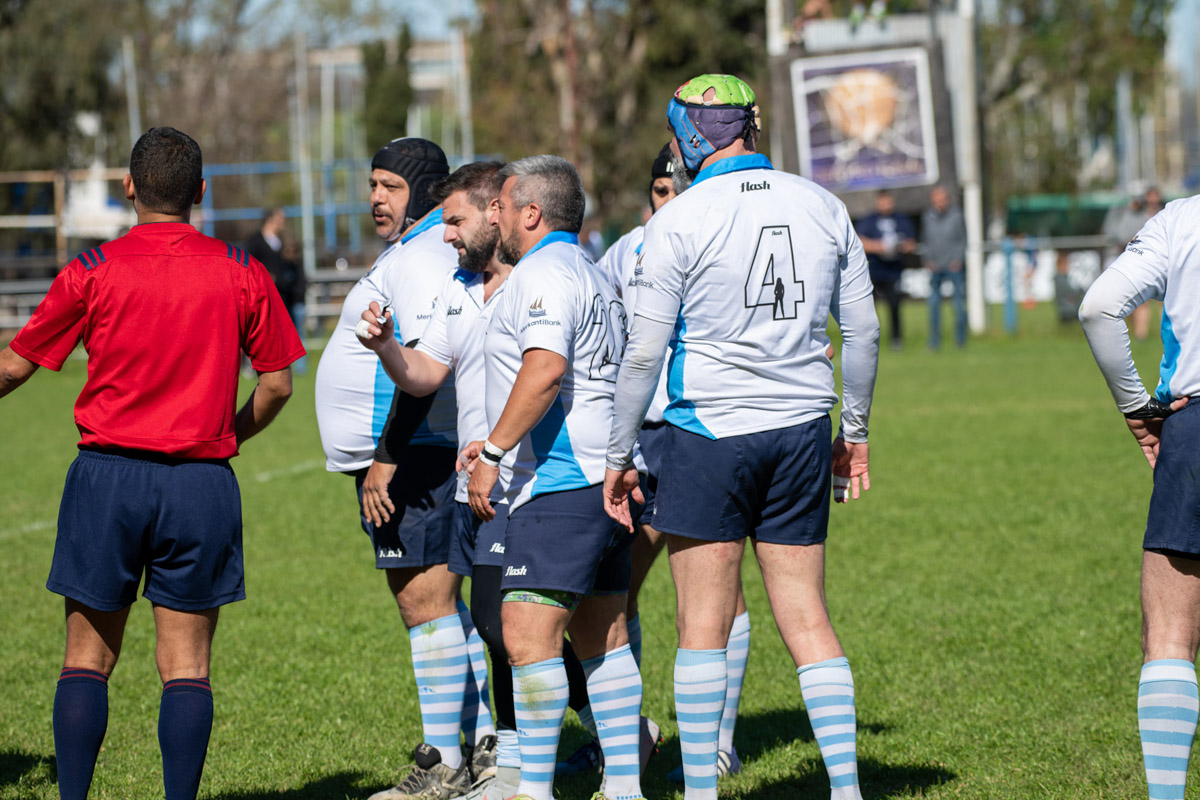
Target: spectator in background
x,y
886,236
944,251
279,257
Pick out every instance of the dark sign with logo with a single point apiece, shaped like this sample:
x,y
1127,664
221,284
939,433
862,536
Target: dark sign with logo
x,y
865,120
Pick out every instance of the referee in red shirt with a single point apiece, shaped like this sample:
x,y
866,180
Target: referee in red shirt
x,y
164,313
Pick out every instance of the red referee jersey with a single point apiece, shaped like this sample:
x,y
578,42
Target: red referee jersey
x,y
164,313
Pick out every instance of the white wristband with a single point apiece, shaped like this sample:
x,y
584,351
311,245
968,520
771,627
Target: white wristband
x,y
491,455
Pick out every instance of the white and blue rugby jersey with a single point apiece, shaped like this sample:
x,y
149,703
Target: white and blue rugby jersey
x,y
1163,262
556,300
353,393
455,337
619,265
748,264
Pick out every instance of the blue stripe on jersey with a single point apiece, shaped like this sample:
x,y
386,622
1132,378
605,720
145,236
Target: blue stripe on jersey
x,y
680,412
382,394
557,470
434,218
384,391
1170,359
733,164
551,238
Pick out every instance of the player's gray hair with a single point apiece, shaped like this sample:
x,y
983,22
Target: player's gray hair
x,y
553,184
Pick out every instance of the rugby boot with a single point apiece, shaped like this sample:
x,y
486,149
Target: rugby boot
x,y
651,739
429,779
482,758
588,758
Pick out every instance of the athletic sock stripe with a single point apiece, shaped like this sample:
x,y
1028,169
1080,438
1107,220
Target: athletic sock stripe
x,y
1165,778
81,673
828,691
1169,669
1182,713
1166,738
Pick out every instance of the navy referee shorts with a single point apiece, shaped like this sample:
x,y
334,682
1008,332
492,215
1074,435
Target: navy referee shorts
x,y
177,522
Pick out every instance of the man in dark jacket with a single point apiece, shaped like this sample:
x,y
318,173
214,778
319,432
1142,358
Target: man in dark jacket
x,y
886,237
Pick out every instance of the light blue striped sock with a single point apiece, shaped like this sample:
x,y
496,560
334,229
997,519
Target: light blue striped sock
x,y
633,627
699,699
587,720
439,655
737,652
508,751
540,698
615,689
1168,705
476,710
828,691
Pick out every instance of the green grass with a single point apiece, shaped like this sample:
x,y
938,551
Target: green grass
x,y
985,592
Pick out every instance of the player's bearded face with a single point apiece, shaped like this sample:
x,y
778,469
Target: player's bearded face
x,y
510,248
478,248
681,176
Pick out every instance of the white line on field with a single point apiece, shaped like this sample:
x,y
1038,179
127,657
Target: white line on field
x,y
262,477
295,469
28,527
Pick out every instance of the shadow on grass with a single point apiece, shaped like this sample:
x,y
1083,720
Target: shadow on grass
x,y
759,735
26,769
877,780
761,731
332,787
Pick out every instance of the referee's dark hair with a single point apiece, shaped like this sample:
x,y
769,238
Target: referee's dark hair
x,y
480,180
166,168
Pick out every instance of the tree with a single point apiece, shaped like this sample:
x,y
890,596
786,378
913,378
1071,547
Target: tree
x,y
388,93
1050,77
610,67
45,88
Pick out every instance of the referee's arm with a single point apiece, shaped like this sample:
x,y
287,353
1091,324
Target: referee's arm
x,y
14,370
267,399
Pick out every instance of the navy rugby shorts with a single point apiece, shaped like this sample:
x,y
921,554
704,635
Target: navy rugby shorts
x,y
773,486
1173,523
650,441
563,541
478,543
425,522
177,522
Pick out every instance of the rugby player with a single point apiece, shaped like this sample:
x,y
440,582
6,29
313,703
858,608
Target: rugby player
x,y
553,346
164,313
739,275
1161,263
453,343
405,478
620,265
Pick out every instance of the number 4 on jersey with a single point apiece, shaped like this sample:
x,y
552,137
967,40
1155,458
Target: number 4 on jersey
x,y
773,281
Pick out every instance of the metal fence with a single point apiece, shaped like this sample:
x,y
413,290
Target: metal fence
x,y
1017,271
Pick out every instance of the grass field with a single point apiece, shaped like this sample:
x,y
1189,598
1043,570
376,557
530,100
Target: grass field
x,y
985,592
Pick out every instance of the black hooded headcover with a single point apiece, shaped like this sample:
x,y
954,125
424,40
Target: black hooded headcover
x,y
662,167
421,163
